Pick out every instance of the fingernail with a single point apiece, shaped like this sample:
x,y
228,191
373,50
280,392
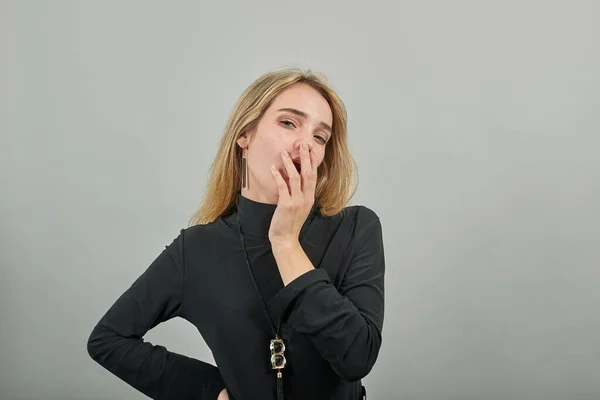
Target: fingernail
x,y
304,146
273,169
284,153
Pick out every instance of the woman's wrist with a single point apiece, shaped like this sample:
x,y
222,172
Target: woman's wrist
x,y
223,395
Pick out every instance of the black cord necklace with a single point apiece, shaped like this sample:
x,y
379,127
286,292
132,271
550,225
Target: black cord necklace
x,y
276,345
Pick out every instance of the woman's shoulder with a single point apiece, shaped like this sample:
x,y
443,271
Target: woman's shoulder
x,y
356,223
203,233
362,213
218,227
356,214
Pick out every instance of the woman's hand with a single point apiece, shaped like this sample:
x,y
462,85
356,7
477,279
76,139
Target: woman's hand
x,y
223,395
291,212
295,201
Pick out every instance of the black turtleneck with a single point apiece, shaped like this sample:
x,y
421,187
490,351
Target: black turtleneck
x,y
331,317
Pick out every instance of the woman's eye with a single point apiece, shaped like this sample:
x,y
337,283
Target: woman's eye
x,y
321,139
288,123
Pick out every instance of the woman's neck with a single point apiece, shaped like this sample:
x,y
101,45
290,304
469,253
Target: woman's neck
x,y
259,196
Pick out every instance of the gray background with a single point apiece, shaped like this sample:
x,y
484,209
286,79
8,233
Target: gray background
x,y
474,124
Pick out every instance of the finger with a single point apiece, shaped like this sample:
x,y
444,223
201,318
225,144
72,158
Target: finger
x,y
313,163
292,173
282,187
309,178
306,167
314,168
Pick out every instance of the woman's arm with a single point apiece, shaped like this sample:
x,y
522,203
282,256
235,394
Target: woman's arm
x,y
345,325
117,341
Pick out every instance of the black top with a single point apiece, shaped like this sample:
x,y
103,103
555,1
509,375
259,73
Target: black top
x,y
332,316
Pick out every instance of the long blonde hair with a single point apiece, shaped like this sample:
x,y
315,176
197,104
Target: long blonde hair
x,y
337,177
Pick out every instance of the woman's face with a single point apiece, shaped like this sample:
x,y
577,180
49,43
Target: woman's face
x,y
298,115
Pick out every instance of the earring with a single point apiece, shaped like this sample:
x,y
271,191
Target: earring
x,y
244,168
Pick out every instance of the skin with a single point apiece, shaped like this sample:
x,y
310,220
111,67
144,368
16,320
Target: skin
x,y
280,138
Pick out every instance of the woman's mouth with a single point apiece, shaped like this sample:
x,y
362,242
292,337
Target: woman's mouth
x,y
298,165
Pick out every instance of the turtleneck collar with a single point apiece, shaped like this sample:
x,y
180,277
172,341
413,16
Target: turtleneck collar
x,y
255,217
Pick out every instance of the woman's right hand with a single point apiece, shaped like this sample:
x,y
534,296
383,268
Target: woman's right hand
x,y
223,395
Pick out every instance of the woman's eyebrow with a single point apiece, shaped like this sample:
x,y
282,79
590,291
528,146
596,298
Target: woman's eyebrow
x,y
305,115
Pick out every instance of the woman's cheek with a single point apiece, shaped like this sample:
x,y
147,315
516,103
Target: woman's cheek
x,y
320,156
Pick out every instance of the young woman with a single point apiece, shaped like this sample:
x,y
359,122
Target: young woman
x,y
283,280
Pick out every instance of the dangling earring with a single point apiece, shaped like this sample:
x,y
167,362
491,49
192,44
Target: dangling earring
x,y
244,168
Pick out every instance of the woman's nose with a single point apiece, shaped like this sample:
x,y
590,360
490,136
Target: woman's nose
x,y
301,142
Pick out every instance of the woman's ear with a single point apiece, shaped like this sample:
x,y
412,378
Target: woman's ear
x,y
243,140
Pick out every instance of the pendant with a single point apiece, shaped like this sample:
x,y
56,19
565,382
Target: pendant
x,y
277,348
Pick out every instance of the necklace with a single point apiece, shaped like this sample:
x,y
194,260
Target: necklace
x,y
276,344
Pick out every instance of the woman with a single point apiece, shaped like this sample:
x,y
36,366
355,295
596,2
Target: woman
x,y
282,279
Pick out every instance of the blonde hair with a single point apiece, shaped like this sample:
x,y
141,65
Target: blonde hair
x,y
337,178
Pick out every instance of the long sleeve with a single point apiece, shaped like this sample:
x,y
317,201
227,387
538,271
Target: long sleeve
x,y
345,325
117,341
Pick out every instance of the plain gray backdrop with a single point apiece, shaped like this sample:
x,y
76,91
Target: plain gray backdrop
x,y
476,129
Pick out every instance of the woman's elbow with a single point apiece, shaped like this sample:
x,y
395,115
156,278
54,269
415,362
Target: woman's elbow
x,y
352,372
359,360
357,365
96,343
